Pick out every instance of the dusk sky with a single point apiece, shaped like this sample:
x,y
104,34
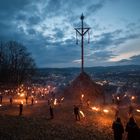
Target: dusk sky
x,y
46,28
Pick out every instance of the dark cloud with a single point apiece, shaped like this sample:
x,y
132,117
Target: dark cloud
x,y
113,38
94,7
58,33
31,31
133,60
102,55
8,8
28,22
34,20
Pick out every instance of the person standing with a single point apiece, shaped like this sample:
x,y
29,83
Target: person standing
x,y
32,100
26,98
20,108
88,103
51,112
116,112
1,98
11,100
130,110
118,129
76,113
132,130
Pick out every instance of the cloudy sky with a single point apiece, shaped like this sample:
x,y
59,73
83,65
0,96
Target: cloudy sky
x,y
46,28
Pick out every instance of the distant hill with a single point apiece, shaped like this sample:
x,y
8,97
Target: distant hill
x,y
97,70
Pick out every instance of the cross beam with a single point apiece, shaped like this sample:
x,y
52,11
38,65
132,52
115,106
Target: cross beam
x,y
82,31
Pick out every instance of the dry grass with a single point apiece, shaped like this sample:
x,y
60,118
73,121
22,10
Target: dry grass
x,y
36,125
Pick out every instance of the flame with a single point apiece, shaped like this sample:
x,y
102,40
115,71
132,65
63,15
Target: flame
x,y
22,94
81,112
36,102
62,98
55,101
125,95
133,97
82,96
138,110
95,108
118,98
21,102
105,110
0,105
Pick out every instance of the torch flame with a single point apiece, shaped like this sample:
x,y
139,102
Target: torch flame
x,y
81,112
82,96
105,111
55,101
22,94
138,110
21,102
95,108
118,98
62,98
133,97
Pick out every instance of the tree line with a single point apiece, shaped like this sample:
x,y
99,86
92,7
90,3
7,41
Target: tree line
x,y
16,63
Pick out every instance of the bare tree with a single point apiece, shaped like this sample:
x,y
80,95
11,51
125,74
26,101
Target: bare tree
x,y
17,64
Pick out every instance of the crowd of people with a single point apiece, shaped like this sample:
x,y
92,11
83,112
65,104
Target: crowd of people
x,y
132,129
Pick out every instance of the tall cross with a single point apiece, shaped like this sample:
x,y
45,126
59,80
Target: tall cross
x,y
82,31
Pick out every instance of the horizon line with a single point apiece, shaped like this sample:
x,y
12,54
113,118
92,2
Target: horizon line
x,y
87,67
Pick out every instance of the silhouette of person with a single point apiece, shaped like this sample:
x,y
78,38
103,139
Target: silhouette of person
x,y
11,100
53,95
132,130
113,100
118,129
76,113
131,110
26,98
32,100
117,112
1,97
49,102
88,103
51,112
20,109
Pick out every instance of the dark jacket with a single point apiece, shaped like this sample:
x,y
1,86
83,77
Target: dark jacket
x,y
133,131
118,130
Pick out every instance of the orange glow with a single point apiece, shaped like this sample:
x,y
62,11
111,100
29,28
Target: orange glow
x,y
82,96
55,101
21,102
95,108
81,112
133,97
138,110
105,111
22,94
62,98
118,98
